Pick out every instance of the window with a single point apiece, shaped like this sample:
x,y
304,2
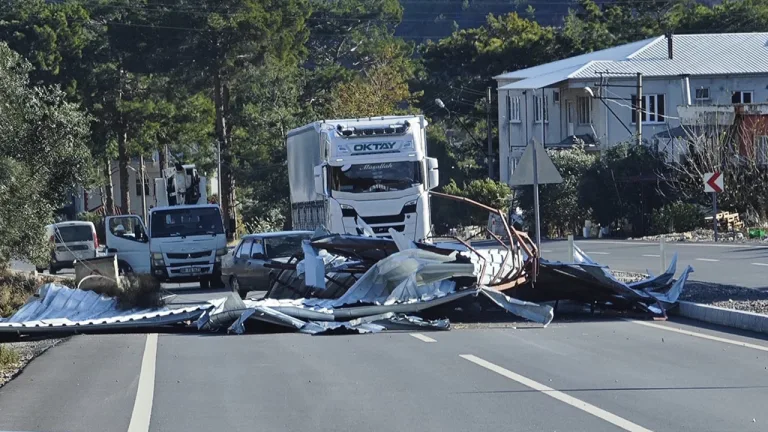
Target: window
x,y
183,222
761,150
284,247
513,108
569,112
244,251
127,227
652,107
702,94
540,108
584,110
556,97
147,190
741,97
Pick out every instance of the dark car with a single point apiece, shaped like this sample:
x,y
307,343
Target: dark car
x,y
244,269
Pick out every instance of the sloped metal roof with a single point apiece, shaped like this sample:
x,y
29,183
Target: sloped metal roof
x,y
693,54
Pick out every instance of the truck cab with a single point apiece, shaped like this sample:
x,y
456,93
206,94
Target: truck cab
x,y
184,243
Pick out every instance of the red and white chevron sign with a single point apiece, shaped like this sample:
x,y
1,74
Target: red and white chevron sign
x,y
713,182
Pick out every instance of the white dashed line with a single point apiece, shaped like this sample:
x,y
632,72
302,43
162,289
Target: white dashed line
x,y
562,397
543,250
702,335
589,253
707,259
646,255
422,337
142,407
760,264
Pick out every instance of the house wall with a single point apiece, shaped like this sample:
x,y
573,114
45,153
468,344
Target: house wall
x,y
152,171
607,129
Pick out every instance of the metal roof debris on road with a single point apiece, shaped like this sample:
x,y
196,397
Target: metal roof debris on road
x,y
361,284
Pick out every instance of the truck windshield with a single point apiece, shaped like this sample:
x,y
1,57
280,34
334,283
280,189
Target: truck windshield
x,y
376,177
186,222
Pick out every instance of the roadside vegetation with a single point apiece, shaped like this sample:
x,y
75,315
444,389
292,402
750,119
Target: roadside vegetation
x,y
85,86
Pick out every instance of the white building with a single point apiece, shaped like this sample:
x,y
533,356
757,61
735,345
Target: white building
x,y
589,98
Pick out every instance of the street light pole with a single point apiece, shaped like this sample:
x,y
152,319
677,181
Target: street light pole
x,y
218,172
490,138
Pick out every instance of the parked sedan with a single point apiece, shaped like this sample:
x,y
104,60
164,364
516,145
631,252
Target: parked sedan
x,y
244,269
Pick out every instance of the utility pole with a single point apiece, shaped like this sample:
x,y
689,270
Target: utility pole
x,y
639,108
490,138
143,189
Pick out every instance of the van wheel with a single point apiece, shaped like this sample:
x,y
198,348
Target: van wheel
x,y
205,283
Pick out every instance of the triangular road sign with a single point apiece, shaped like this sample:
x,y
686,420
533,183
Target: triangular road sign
x,y
523,174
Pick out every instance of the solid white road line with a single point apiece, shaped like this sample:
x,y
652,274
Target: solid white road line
x,y
562,397
650,243
760,264
543,250
142,408
652,255
596,253
702,335
422,337
707,259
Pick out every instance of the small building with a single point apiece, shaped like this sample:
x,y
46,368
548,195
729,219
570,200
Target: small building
x,y
591,98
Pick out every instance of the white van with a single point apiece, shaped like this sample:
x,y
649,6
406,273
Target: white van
x,y
70,241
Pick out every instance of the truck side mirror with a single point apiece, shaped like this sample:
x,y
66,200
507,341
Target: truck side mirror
x,y
319,180
433,175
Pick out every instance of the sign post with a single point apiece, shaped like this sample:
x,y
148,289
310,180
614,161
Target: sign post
x,y
713,183
535,168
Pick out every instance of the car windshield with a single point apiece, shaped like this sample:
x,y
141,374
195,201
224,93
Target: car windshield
x,y
283,247
186,222
76,233
376,177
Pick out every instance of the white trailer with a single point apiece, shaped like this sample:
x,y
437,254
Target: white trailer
x,y
369,171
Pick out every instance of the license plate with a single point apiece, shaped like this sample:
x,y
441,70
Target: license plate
x,y
191,270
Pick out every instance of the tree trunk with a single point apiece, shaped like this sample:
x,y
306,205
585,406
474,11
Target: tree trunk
x,y
161,157
122,152
227,184
108,197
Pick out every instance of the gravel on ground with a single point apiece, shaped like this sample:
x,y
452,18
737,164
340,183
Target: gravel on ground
x,y
26,352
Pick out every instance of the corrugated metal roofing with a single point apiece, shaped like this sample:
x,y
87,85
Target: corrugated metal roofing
x,y
696,54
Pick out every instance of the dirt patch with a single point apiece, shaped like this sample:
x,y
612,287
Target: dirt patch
x,y
19,354
16,288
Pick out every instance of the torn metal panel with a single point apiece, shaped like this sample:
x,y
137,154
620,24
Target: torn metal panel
x,y
660,281
542,314
670,297
58,308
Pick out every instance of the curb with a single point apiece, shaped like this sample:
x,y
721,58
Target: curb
x,y
722,316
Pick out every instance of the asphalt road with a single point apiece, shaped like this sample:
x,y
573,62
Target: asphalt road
x,y
575,376
732,264
600,375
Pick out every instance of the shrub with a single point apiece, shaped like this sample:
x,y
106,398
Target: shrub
x,y
676,217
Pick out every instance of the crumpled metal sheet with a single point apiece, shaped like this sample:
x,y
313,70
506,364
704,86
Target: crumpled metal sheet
x,y
60,308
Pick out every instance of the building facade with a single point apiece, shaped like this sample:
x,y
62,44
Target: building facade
x,y
591,99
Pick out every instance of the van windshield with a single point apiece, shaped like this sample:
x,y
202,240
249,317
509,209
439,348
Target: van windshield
x,y
75,233
186,222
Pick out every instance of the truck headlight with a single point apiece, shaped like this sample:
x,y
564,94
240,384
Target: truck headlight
x,y
157,256
221,251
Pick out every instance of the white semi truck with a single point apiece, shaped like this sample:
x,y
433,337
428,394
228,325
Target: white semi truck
x,y
373,170
185,241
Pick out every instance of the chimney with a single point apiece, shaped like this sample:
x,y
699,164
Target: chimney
x,y
669,45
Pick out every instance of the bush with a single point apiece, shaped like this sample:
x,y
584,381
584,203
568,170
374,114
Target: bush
x,y
561,210
17,288
8,357
485,191
676,217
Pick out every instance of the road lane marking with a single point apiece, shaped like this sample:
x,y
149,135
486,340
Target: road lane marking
x,y
760,264
422,337
142,407
707,259
702,335
646,255
543,250
562,397
650,243
586,252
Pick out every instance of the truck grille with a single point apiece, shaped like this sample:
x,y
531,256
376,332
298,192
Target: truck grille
x,y
189,255
193,263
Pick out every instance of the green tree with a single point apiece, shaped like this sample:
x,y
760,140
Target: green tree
x,y
485,191
43,157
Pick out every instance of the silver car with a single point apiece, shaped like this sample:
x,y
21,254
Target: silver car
x,y
244,269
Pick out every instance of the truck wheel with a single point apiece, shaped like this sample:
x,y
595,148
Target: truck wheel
x,y
123,268
205,283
